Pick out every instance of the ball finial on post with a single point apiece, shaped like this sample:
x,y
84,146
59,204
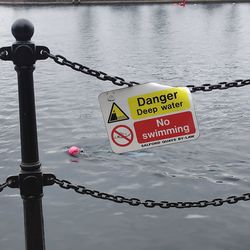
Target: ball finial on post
x,y
22,30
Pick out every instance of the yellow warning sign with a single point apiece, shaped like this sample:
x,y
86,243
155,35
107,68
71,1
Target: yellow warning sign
x,y
116,114
158,103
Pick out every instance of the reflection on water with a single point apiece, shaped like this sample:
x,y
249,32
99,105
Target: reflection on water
x,y
159,43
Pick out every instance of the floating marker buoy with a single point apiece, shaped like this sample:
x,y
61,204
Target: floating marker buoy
x,y
74,151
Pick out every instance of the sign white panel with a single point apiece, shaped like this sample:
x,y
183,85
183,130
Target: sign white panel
x,y
148,115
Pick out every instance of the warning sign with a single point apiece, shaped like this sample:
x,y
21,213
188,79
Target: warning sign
x,y
148,115
116,114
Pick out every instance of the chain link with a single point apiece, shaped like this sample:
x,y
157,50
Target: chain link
x,y
61,60
3,186
3,54
150,203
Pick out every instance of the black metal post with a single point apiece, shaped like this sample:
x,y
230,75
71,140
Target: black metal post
x,y
24,56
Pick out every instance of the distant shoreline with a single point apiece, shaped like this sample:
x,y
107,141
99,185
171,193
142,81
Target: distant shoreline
x,y
86,2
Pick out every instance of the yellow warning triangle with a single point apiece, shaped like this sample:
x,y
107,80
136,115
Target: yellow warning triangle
x,y
116,114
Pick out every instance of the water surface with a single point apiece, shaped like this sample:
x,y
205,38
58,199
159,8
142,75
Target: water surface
x,y
145,43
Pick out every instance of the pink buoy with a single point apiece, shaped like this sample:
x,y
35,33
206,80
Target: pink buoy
x,y
74,151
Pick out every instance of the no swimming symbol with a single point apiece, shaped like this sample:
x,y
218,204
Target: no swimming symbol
x,y
122,135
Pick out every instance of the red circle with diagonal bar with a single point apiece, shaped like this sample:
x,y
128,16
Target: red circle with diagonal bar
x,y
122,135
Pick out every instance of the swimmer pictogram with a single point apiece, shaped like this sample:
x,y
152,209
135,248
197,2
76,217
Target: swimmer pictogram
x,y
116,114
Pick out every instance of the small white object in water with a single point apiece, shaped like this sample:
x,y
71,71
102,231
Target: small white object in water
x,y
195,216
118,213
12,195
150,216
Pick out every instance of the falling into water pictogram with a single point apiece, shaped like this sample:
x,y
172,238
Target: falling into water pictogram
x,y
117,114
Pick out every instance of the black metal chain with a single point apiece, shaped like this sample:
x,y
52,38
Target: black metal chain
x,y
3,186
86,70
61,60
150,203
220,86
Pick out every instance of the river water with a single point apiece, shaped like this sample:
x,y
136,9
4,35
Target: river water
x,y
167,44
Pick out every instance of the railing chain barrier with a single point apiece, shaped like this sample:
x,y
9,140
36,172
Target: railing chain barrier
x,y
61,60
150,203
